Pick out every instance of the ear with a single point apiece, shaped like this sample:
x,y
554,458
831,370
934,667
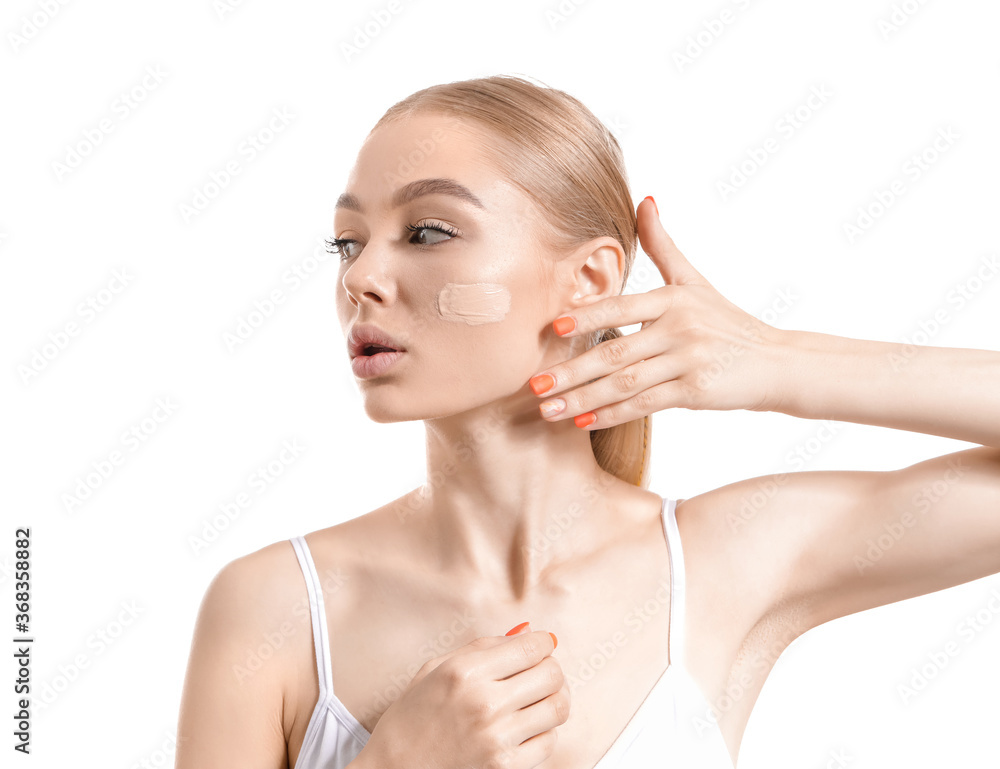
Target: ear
x,y
594,272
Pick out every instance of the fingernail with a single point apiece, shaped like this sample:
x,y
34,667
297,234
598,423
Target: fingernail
x,y
552,407
554,639
650,197
541,383
517,629
564,325
582,420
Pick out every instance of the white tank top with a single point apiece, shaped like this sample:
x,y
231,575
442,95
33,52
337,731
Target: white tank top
x,y
673,727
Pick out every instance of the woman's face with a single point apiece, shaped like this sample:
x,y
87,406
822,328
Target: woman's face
x,y
472,306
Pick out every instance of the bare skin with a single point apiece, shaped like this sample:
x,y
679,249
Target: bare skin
x,y
366,666
468,546
371,650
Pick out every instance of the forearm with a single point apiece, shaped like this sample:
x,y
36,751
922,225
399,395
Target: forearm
x,y
376,755
954,393
362,761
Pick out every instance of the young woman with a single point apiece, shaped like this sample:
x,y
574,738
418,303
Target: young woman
x,y
485,235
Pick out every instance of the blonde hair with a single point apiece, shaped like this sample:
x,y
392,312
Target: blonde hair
x,y
552,148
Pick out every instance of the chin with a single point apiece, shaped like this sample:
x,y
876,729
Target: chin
x,y
384,415
385,409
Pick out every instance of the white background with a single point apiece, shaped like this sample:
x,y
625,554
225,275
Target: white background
x,y
683,127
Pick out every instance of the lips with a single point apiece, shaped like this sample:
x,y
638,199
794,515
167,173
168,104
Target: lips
x,y
372,349
367,339
372,366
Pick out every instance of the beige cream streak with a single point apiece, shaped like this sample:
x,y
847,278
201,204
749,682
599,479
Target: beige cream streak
x,y
474,303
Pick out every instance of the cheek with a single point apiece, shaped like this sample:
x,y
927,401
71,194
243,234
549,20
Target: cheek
x,y
492,323
473,304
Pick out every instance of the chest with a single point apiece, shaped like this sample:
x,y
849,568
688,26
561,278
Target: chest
x,y
613,648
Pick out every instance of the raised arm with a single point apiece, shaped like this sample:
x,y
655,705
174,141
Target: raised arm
x,y
824,544
855,540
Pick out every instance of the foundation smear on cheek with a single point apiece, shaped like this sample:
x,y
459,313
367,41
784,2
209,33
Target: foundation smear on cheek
x,y
474,303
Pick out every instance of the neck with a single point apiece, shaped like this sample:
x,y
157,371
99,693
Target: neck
x,y
510,498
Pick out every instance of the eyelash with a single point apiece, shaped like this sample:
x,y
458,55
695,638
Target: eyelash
x,y
337,245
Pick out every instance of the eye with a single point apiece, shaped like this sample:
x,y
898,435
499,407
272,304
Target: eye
x,y
342,246
432,227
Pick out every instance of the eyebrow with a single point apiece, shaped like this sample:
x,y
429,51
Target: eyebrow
x,y
415,190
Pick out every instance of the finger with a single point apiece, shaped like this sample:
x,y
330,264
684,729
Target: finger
x,y
477,644
672,264
532,684
535,750
666,395
539,698
616,311
602,395
514,654
609,357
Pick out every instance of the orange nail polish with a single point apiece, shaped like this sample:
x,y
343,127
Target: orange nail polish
x,y
582,420
541,383
514,630
563,325
554,639
650,197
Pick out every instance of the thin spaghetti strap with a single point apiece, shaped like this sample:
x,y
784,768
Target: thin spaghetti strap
x,y
675,642
317,611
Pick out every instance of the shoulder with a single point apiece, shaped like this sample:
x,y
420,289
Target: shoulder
x,y
262,586
263,593
256,612
246,652
266,574
250,600
755,540
360,542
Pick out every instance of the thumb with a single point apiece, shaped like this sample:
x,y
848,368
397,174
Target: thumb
x,y
672,264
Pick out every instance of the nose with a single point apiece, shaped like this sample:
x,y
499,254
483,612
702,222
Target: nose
x,y
368,277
